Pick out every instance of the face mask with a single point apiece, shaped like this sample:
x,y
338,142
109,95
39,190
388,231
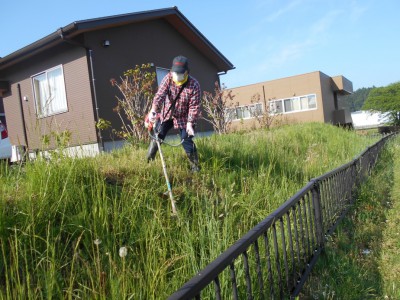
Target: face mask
x,y
179,78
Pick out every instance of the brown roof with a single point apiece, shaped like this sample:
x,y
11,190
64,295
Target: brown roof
x,y
171,15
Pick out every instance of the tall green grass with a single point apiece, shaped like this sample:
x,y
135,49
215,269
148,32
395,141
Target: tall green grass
x,y
63,221
362,260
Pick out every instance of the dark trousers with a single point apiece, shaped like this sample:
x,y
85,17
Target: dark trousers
x,y
187,144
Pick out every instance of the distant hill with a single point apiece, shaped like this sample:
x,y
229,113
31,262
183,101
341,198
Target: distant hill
x,y
355,101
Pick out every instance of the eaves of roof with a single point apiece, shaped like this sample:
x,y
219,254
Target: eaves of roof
x,y
171,15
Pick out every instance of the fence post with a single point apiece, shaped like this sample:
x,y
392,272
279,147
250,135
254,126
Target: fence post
x,y
318,222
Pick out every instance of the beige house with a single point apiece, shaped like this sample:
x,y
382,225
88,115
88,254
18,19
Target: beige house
x,y
311,97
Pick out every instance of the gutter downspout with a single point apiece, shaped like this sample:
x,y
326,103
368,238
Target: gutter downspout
x,y
92,86
22,116
90,51
219,77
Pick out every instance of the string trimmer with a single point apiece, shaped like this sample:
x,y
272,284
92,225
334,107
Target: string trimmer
x,y
155,128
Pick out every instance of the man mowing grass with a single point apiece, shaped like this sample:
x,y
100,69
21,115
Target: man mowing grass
x,y
177,104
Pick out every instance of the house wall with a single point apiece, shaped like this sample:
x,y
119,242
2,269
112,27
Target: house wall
x,y
342,85
154,42
327,90
285,88
79,119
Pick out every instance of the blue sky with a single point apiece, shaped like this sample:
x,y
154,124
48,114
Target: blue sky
x,y
264,39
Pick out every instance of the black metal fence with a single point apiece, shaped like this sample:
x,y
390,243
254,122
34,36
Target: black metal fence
x,y
274,259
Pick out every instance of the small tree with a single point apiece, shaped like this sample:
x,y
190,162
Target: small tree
x,y
385,100
265,117
137,89
218,107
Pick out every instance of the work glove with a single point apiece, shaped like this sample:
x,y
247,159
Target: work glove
x,y
152,116
150,119
189,129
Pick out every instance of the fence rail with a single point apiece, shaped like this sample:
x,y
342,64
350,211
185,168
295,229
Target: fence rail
x,y
274,259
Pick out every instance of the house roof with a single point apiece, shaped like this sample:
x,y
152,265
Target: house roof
x,y
172,15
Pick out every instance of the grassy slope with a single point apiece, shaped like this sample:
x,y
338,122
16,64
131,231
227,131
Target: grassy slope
x,y
362,259
389,260
53,212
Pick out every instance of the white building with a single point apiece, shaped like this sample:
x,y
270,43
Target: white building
x,y
365,119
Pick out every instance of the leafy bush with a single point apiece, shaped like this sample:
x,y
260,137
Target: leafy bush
x,y
137,89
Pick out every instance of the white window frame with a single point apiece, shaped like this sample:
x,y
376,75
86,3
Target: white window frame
x,y
275,107
295,103
243,110
54,104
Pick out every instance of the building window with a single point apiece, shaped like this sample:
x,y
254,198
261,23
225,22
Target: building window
x,y
161,73
243,112
294,104
275,107
49,92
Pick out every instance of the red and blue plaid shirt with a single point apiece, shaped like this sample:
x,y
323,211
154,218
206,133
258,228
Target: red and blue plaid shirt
x,y
187,106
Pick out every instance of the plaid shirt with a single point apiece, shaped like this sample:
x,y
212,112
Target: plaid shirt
x,y
187,106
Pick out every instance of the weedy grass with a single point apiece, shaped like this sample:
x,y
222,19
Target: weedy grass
x,y
65,222
362,258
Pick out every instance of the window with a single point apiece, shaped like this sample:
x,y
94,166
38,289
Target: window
x,y
304,101
230,114
288,105
256,109
49,92
275,107
312,102
294,104
243,112
161,73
